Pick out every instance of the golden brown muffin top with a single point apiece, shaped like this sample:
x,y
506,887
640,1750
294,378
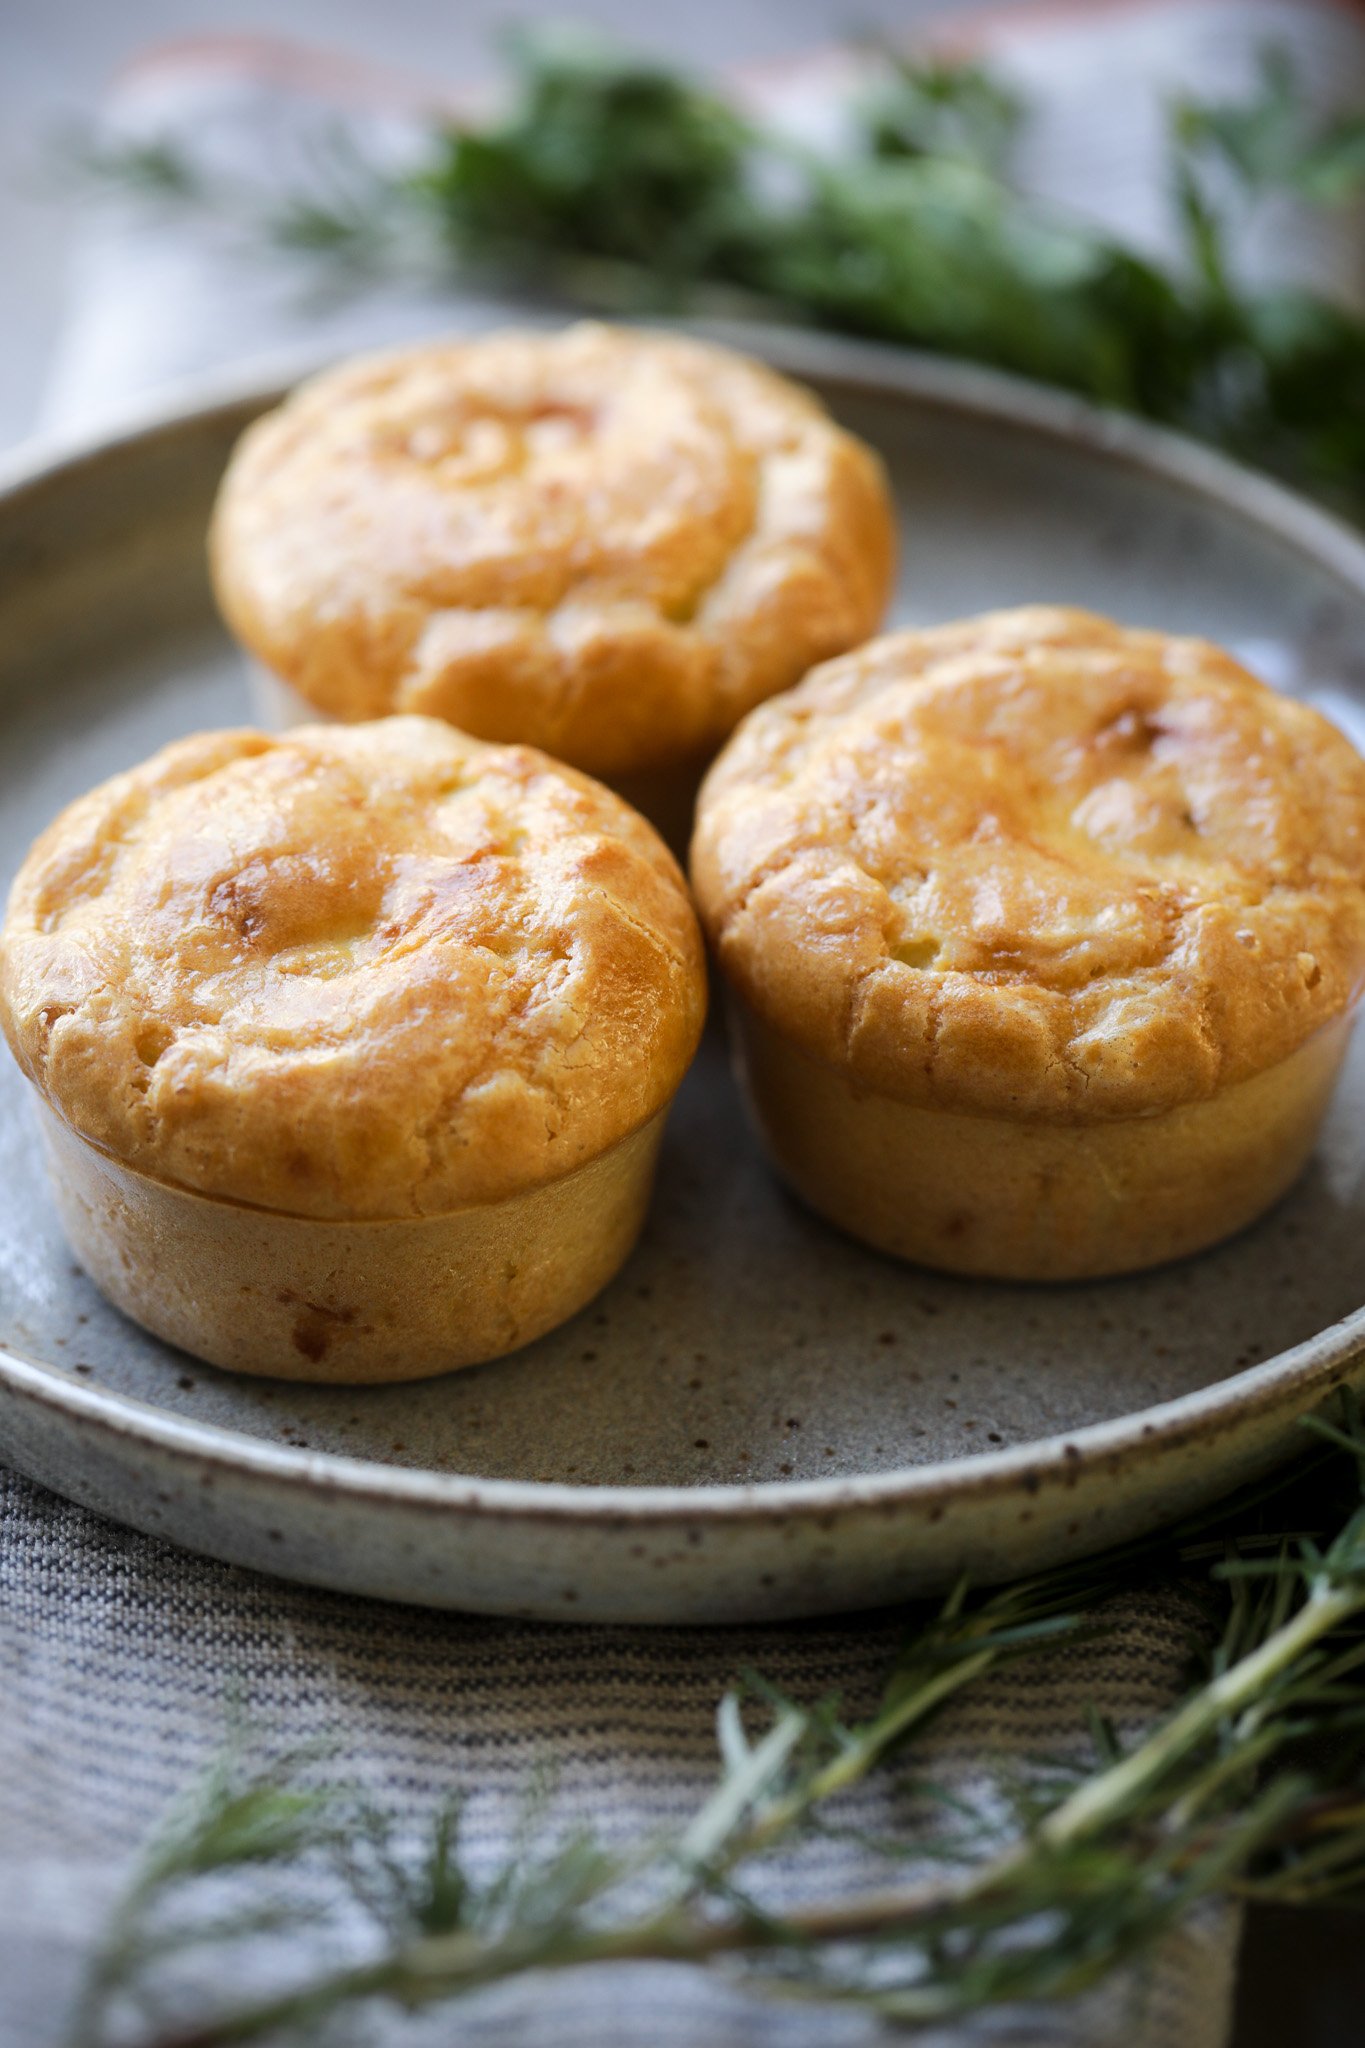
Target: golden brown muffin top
x,y
354,971
605,543
1036,865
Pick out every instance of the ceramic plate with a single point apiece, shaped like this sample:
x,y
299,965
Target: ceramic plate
x,y
758,1418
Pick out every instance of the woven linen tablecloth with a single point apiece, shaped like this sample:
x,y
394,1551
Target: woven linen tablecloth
x,y
119,1657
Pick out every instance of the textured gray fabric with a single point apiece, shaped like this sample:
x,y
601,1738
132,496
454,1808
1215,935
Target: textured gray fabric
x,y
118,1656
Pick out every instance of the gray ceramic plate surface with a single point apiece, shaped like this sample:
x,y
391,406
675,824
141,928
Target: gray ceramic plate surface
x,y
758,1418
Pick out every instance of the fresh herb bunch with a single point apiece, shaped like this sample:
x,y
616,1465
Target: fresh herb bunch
x,y
1253,1786
622,185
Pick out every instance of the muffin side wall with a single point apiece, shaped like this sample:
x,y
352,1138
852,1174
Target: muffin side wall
x,y
1034,1200
293,1297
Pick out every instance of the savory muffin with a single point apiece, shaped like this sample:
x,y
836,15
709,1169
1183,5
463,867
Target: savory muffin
x,y
606,543
355,1043
1044,937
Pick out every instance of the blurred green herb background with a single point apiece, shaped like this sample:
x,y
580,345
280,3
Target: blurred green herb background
x,y
624,186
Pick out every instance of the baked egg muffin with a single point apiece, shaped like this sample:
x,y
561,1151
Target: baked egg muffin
x,y
606,543
353,1046
1044,938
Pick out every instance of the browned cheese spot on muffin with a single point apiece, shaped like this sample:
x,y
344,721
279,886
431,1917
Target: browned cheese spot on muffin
x,y
364,971
1034,864
605,543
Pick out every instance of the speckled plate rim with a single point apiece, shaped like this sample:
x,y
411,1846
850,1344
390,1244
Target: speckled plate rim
x,y
1290,1383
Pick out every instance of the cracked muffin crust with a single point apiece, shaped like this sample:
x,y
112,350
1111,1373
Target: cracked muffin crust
x,y
363,972
1044,935
1038,865
608,544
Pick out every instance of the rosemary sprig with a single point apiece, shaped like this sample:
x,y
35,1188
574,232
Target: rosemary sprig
x,y
1254,1785
627,187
